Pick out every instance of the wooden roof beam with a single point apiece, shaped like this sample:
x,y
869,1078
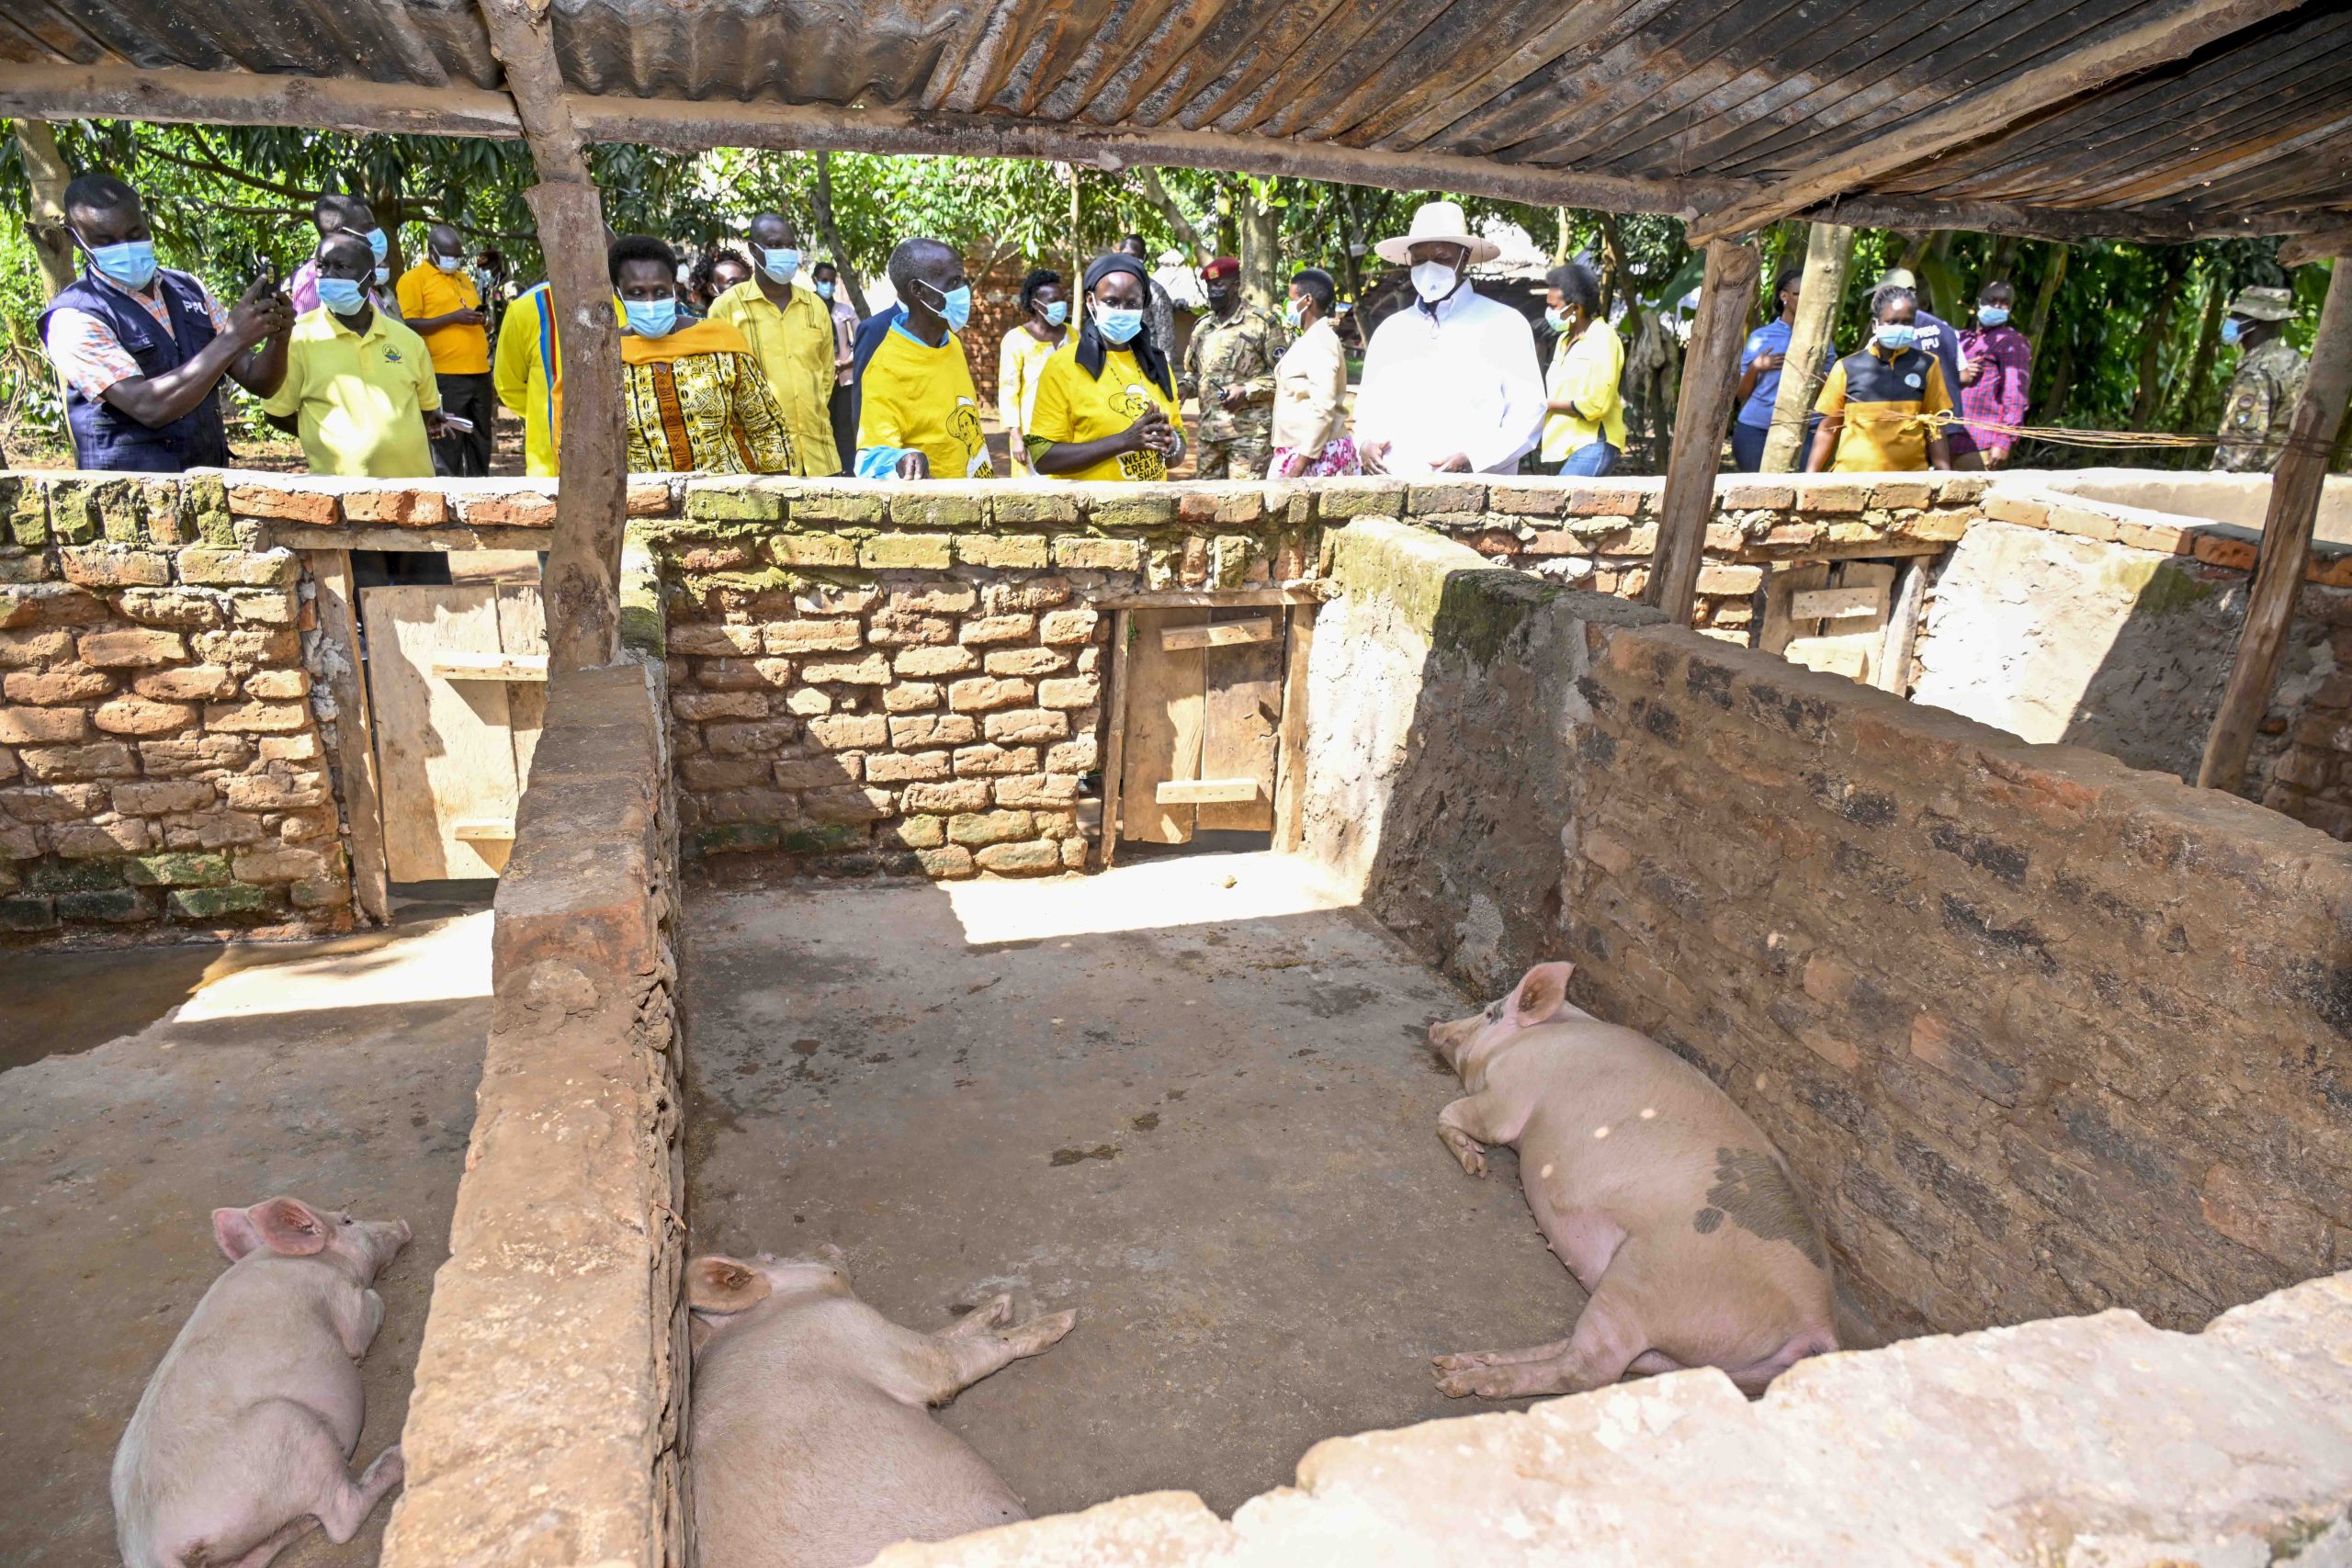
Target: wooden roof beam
x,y
2180,31
2305,249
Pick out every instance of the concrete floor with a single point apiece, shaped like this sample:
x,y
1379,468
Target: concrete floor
x,y
1202,1115
140,1090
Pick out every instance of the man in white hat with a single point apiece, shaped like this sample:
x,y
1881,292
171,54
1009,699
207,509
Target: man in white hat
x,y
1450,383
2270,375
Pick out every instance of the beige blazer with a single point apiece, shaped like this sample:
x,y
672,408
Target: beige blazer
x,y
1311,391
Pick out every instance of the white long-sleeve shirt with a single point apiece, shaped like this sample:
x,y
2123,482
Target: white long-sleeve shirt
x,y
1461,378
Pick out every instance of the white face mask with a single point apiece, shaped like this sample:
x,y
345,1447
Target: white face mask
x,y
1435,280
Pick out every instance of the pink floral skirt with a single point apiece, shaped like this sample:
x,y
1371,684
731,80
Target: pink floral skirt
x,y
1337,458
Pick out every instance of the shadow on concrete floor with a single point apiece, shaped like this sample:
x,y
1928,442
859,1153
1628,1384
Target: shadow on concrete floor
x,y
1190,1098
340,1071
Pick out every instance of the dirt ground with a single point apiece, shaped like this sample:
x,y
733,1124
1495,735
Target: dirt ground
x,y
1202,1115
140,1090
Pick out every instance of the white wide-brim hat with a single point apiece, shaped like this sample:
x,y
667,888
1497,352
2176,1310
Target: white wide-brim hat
x,y
1436,221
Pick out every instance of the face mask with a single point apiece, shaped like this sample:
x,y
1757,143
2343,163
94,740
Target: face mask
x,y
652,318
1557,320
954,305
1119,326
2232,329
1058,312
1435,280
824,290
130,264
779,264
380,242
383,276
342,295
1897,336
1991,316
448,264
1292,317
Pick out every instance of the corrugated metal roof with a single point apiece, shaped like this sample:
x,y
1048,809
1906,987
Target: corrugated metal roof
x,y
1712,96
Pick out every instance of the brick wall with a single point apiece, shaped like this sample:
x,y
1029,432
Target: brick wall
x,y
2040,1034
162,769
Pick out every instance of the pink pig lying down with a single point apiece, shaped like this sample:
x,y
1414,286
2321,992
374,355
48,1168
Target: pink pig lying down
x,y
242,1442
1670,1206
811,1444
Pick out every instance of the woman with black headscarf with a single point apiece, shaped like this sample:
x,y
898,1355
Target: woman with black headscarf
x,y
1106,401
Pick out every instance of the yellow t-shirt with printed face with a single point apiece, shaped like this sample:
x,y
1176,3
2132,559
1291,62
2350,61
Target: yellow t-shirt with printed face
x,y
1073,406
915,396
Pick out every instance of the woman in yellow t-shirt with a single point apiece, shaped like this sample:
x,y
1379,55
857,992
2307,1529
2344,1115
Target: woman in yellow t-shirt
x,y
1106,403
1045,317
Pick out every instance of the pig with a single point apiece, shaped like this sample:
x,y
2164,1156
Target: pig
x,y
1670,1207
810,1445
243,1441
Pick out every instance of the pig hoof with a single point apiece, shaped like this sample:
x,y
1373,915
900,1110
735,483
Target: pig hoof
x,y
992,1314
1482,1383
1475,1163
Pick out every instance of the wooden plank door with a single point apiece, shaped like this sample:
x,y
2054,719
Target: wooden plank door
x,y
456,682
1203,697
1830,618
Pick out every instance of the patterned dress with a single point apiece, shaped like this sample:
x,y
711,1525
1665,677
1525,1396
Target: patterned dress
x,y
706,412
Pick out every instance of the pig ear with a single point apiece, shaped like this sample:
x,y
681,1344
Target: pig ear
x,y
233,1229
722,1285
290,1226
1541,993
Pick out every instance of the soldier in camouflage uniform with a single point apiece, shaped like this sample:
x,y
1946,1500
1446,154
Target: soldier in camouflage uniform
x,y
2270,381
1230,366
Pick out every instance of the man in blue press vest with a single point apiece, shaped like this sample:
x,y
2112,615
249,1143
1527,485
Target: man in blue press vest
x,y
141,349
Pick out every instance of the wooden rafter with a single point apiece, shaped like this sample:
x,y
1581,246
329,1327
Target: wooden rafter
x,y
2304,249
2177,32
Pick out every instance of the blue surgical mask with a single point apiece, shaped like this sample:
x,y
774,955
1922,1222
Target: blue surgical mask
x,y
1555,319
779,264
2232,329
130,264
380,242
344,296
1991,316
652,318
383,276
1291,317
1058,312
1897,336
954,305
1119,326
824,290
448,264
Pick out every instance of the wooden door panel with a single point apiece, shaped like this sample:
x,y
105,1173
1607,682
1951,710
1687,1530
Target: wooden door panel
x,y
1243,705
443,747
1166,707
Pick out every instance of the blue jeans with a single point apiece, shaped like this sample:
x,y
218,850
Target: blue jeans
x,y
1747,446
1591,461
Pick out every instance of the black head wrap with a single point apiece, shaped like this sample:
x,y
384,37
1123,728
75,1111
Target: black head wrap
x,y
1149,356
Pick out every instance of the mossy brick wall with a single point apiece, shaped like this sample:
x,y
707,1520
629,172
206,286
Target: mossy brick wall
x,y
2040,1034
161,765
869,677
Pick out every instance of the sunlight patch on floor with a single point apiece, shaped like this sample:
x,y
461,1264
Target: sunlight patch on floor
x,y
1152,896
438,963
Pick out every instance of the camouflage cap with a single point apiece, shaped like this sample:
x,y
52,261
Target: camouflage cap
x,y
2263,304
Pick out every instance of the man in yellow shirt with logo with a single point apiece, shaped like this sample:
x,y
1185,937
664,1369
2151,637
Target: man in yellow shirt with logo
x,y
791,333
442,305
359,388
1106,404
919,414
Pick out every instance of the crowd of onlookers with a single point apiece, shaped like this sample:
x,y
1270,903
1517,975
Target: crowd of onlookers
x,y
751,361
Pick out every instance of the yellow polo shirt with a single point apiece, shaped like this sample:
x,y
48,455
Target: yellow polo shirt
x,y
915,396
425,291
1073,406
360,398
793,343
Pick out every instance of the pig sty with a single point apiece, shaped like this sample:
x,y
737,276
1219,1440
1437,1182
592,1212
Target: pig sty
x,y
1665,1200
812,1446
241,1441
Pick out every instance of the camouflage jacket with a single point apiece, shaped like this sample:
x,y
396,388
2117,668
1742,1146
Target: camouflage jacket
x,y
2261,409
1241,352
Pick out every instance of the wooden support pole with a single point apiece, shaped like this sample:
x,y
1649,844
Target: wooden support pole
x,y
2286,539
2173,33
583,583
1710,376
1827,251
